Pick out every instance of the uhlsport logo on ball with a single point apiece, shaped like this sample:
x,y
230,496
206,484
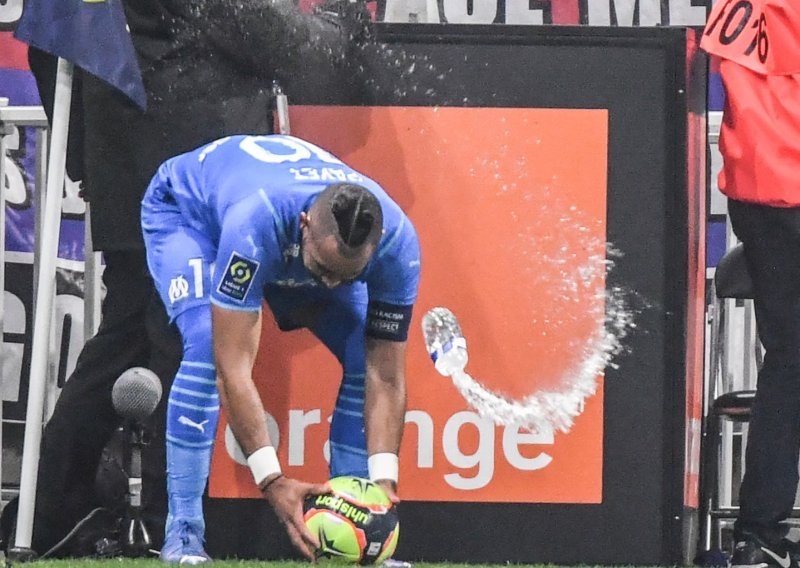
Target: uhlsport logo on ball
x,y
355,523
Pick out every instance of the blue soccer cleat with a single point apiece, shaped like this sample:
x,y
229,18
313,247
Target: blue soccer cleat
x,y
183,543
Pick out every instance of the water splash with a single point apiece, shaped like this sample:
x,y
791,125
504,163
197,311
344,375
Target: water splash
x,y
398,73
574,265
557,408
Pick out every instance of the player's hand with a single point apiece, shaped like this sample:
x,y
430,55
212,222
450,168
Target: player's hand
x,y
391,489
286,497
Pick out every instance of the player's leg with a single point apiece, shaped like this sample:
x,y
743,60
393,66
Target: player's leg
x,y
337,317
179,259
341,328
192,413
166,351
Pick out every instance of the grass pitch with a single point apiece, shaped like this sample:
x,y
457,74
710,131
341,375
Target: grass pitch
x,y
155,563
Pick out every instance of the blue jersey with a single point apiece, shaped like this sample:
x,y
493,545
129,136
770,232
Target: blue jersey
x,y
246,193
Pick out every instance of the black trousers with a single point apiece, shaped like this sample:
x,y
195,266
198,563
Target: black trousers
x,y
771,238
134,331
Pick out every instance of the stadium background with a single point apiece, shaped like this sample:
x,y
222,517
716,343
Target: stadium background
x,y
580,452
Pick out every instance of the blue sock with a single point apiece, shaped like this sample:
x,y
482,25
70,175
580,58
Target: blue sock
x,y
192,414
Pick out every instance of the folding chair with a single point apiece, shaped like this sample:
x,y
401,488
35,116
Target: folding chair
x,y
732,287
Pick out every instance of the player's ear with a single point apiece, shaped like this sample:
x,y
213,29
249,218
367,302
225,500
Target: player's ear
x,y
304,219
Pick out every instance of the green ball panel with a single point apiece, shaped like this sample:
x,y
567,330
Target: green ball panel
x,y
355,523
338,538
361,491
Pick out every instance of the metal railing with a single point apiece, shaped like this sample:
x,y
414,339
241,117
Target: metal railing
x,y
12,118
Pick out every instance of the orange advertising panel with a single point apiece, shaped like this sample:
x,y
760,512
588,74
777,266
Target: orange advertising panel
x,y
510,207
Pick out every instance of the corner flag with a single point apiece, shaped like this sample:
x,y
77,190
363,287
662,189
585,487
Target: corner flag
x,y
91,34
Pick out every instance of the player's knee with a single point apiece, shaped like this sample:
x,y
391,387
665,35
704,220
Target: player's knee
x,y
195,326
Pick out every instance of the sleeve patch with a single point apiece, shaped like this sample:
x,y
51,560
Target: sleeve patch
x,y
237,278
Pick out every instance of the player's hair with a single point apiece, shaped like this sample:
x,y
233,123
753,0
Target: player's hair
x,y
356,213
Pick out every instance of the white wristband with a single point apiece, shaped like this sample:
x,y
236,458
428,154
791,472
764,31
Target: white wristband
x,y
383,466
263,463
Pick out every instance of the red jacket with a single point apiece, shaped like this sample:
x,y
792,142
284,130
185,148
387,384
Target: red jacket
x,y
760,67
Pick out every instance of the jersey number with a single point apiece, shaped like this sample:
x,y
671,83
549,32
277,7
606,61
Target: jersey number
x,y
291,150
197,269
736,21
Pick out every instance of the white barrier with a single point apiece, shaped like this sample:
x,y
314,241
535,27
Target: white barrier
x,y
11,119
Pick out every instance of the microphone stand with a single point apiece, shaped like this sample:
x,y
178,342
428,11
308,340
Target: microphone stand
x,y
135,540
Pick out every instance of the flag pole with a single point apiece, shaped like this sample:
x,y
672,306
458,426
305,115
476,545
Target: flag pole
x,y
43,307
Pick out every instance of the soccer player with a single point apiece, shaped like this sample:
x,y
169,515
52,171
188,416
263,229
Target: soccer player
x,y
275,218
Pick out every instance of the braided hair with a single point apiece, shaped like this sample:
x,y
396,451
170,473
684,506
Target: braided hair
x,y
356,214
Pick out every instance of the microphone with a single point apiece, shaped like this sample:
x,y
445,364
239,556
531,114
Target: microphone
x,y
135,395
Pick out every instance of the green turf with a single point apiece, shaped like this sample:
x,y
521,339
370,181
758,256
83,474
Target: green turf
x,y
154,563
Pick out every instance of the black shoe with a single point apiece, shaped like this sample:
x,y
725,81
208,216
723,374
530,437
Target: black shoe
x,y
755,552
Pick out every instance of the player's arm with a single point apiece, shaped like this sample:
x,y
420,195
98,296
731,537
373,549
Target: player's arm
x,y
385,394
236,339
236,326
385,408
244,256
393,283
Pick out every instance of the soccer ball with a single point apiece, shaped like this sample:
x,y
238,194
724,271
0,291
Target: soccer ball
x,y
355,523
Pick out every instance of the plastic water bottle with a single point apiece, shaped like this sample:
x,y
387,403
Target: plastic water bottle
x,y
445,343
